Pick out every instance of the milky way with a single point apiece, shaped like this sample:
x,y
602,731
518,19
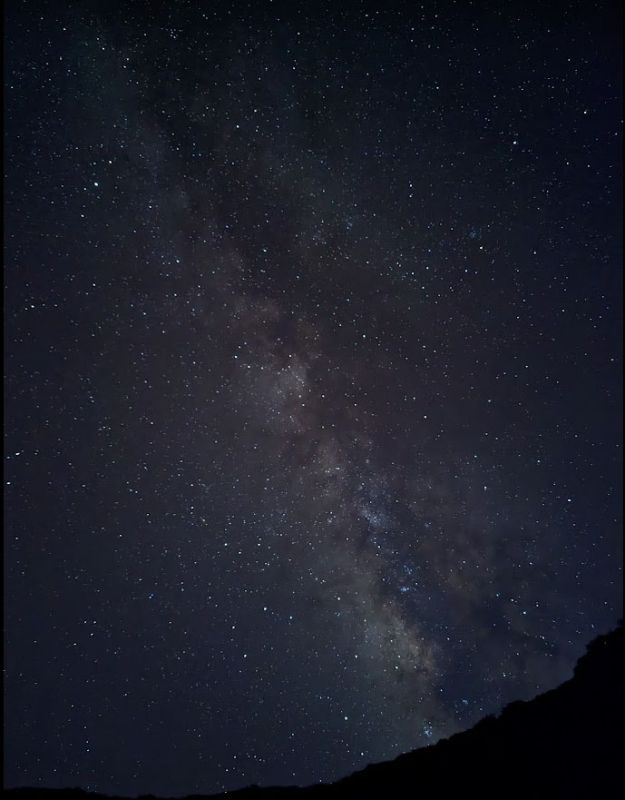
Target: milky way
x,y
313,380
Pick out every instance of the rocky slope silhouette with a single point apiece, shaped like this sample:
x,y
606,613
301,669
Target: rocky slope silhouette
x,y
566,743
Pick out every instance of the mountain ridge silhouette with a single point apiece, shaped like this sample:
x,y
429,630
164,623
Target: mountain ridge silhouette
x,y
564,743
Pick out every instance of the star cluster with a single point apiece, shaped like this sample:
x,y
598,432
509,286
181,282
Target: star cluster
x,y
313,379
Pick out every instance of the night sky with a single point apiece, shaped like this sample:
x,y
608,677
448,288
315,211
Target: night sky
x,y
312,379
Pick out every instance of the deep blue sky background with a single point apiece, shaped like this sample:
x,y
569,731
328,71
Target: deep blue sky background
x,y
313,431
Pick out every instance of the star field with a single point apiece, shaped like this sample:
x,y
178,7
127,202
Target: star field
x,y
313,432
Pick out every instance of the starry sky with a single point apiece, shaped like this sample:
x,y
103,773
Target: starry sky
x,y
312,379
